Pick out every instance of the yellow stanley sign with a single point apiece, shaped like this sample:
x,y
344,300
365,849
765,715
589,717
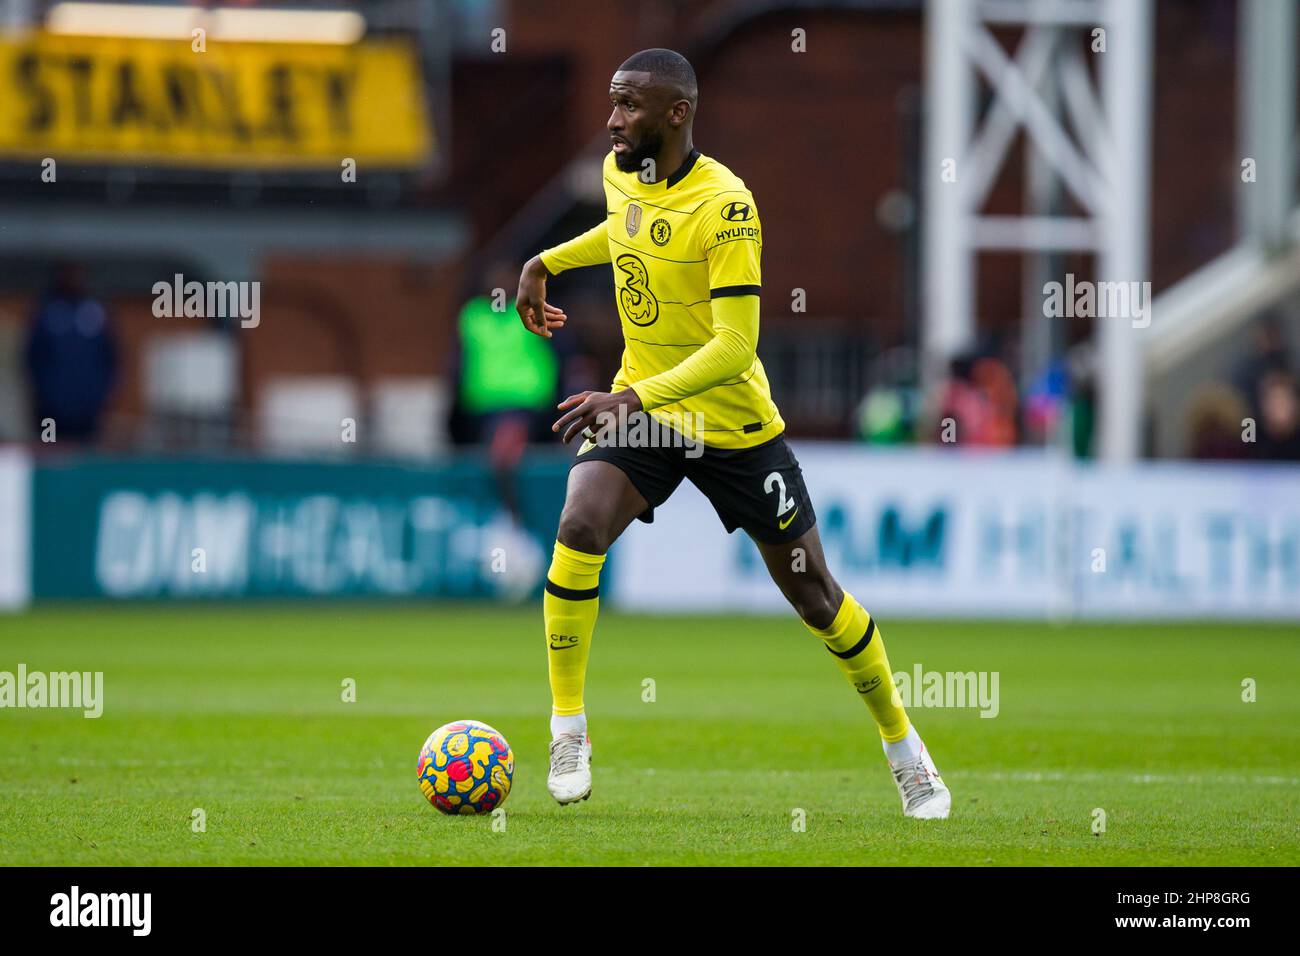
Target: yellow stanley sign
x,y
266,105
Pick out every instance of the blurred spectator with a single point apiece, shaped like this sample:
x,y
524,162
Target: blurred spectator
x,y
1268,353
1082,365
71,357
1214,423
1047,401
980,397
883,417
1278,438
887,414
507,376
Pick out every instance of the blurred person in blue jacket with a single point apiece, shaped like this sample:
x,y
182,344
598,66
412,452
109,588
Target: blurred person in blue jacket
x,y
71,358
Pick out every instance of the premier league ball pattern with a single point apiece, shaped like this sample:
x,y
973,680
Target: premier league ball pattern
x,y
466,767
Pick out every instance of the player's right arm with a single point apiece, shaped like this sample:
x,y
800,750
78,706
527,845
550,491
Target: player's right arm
x,y
589,249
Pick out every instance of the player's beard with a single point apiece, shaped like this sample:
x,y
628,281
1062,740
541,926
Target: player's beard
x,y
633,161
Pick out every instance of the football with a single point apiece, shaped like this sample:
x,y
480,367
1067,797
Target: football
x,y
466,767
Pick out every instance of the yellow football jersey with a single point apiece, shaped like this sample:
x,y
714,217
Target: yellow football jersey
x,y
674,245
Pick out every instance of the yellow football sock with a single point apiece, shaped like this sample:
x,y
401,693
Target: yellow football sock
x,y
569,609
860,651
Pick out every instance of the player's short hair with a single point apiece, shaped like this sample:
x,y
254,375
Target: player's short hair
x,y
668,67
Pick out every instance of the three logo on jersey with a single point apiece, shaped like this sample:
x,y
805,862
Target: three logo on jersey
x,y
634,296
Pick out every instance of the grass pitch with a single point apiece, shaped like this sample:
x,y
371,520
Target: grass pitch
x,y
239,712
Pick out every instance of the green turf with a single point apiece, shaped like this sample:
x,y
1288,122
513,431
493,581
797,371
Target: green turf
x,y
239,712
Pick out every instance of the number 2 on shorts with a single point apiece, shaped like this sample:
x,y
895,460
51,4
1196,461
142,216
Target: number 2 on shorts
x,y
774,480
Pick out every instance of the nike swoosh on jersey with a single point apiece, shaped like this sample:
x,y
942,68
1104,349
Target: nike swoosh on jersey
x,y
786,523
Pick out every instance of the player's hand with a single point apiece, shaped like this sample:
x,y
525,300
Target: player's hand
x,y
530,301
586,407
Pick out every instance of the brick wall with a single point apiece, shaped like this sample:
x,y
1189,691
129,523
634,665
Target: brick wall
x,y
820,137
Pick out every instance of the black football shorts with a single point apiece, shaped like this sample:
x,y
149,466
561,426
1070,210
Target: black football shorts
x,y
759,489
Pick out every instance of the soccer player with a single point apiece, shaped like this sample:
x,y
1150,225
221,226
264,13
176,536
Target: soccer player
x,y
684,237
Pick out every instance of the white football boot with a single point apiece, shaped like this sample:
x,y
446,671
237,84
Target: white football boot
x,y
922,789
570,778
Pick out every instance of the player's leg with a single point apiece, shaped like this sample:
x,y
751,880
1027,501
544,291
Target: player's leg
x,y
600,503
761,489
850,634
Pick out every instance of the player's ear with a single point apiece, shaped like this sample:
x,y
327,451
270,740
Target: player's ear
x,y
679,113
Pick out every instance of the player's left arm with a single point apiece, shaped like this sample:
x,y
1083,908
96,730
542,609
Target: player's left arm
x,y
732,246
730,352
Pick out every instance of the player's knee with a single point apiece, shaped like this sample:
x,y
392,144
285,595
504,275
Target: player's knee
x,y
583,532
818,605
817,613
